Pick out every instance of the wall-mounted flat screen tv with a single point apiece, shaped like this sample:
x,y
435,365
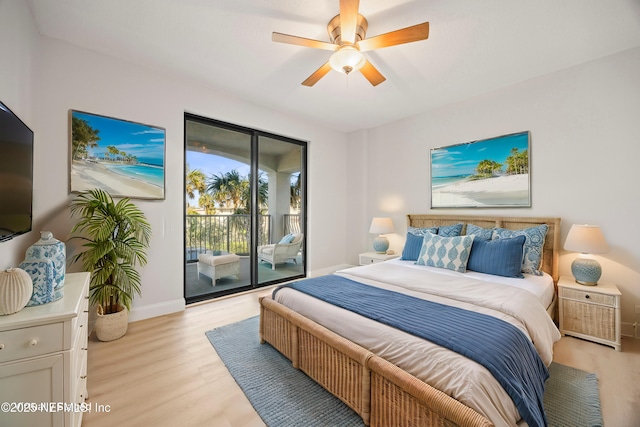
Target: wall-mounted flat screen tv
x,y
16,175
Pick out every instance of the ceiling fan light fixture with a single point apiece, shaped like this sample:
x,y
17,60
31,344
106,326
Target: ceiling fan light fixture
x,y
347,59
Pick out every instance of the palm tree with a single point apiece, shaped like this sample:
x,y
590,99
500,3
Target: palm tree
x,y
233,190
296,193
487,168
112,150
263,195
83,137
196,181
207,202
226,189
518,162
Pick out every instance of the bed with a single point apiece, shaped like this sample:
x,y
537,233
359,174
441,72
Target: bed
x,y
383,381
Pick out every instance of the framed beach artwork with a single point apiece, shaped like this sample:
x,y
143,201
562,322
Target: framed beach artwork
x,y
121,157
488,173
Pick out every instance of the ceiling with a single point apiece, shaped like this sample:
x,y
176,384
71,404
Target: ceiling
x,y
474,47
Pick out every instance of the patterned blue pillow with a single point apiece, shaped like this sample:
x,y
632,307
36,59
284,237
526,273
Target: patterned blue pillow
x,y
479,232
502,257
422,231
445,252
450,230
533,244
412,247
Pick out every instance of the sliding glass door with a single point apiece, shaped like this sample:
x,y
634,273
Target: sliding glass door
x,y
244,208
281,254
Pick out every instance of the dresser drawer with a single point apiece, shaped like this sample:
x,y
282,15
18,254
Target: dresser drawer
x,y
80,323
79,351
590,297
33,341
79,382
364,260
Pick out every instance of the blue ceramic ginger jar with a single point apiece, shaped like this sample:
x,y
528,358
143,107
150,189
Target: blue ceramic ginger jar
x,y
46,264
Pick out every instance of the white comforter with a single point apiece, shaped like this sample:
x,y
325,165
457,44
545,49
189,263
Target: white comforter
x,y
461,378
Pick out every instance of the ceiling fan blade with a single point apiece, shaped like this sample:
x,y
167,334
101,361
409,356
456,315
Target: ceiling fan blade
x,y
301,41
405,35
372,74
317,75
348,20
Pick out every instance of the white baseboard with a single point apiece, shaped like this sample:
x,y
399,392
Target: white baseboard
x,y
627,330
155,310
168,307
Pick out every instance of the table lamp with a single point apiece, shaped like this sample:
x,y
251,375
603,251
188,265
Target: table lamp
x,y
381,226
586,239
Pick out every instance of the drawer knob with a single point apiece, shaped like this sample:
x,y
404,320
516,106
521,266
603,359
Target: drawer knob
x,y
33,343
587,296
1,346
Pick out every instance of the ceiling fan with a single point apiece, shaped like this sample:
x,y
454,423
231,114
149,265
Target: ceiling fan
x,y
347,33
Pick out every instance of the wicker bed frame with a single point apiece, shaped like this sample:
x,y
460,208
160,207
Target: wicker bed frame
x,y
380,392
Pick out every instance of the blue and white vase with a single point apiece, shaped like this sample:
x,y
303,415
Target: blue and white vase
x,y
46,264
42,277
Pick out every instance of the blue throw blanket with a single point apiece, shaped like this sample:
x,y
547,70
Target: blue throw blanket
x,y
495,344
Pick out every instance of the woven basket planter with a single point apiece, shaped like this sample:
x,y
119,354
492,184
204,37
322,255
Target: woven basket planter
x,y
112,326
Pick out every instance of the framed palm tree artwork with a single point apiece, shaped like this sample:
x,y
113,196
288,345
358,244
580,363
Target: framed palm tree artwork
x,y
487,173
124,158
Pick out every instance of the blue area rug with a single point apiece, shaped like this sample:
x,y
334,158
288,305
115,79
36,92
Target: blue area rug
x,y
284,396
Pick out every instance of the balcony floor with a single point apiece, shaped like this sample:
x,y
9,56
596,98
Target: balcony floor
x,y
197,286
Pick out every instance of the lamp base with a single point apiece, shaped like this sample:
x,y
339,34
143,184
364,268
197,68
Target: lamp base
x,y
586,271
380,244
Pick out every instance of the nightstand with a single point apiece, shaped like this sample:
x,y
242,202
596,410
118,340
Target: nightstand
x,y
590,312
374,257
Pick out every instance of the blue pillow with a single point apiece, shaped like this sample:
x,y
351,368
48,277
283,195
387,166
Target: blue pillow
x,y
286,239
479,232
450,230
533,244
445,252
412,247
502,257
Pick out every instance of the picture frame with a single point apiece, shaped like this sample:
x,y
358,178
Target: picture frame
x,y
122,157
487,173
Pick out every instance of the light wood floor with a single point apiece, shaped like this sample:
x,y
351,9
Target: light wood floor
x,y
164,372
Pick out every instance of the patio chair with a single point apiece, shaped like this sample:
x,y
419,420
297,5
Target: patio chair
x,y
286,249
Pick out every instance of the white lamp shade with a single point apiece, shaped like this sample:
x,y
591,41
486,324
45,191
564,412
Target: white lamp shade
x,y
347,59
381,226
587,239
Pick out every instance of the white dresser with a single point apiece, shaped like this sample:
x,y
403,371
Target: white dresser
x,y
43,360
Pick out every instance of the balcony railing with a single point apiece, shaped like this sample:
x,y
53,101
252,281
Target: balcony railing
x,y
229,233
292,223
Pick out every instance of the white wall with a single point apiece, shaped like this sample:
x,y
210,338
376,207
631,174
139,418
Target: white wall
x,y
585,152
69,77
19,54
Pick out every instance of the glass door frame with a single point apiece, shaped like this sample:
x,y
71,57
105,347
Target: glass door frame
x,y
255,135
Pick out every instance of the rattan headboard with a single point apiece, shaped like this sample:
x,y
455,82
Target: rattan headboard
x,y
551,247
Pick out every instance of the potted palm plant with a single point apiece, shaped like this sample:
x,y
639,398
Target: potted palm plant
x,y
116,236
